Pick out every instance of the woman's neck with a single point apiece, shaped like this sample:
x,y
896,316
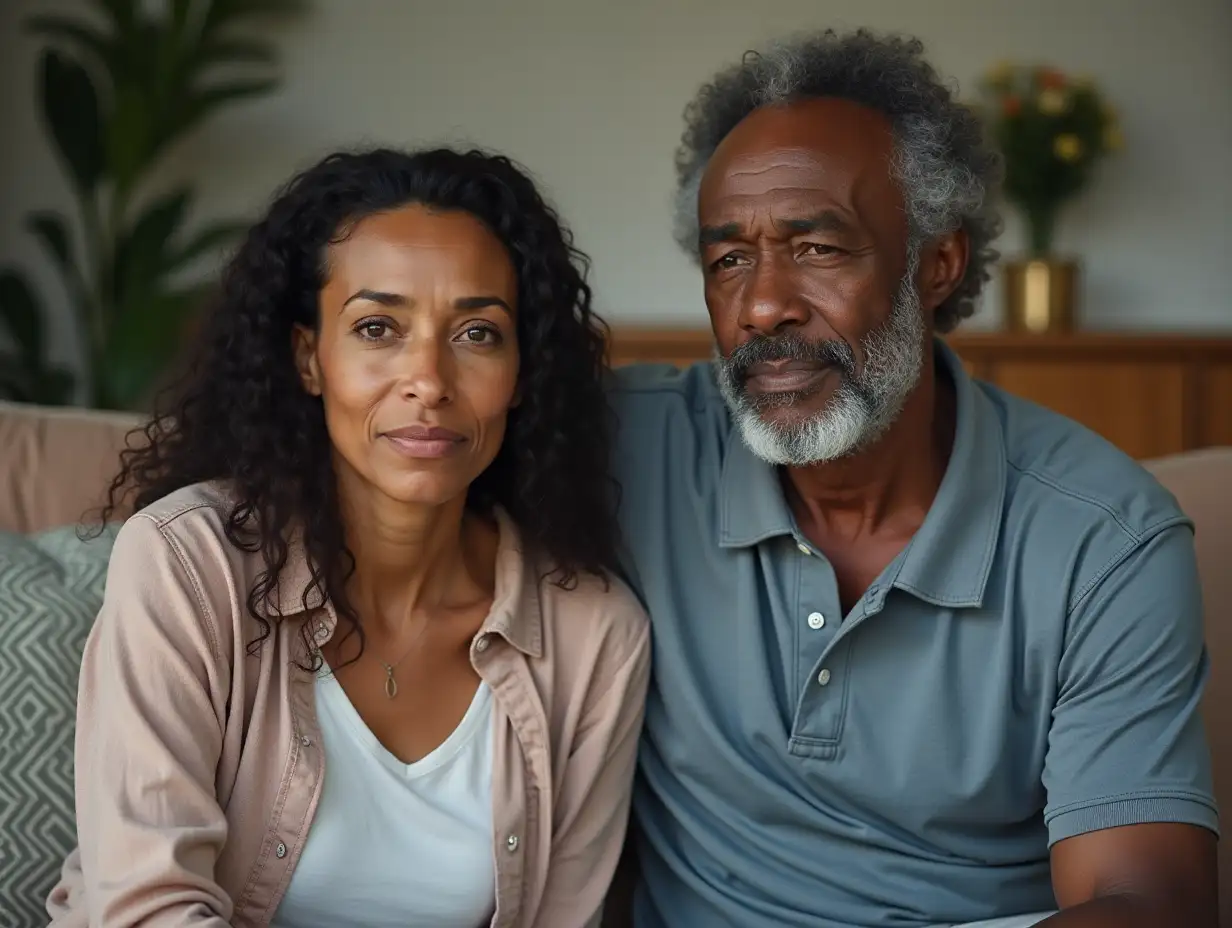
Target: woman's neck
x,y
414,559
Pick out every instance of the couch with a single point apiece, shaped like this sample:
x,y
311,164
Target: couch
x,y
55,466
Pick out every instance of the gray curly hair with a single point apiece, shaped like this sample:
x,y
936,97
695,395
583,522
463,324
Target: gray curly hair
x,y
947,171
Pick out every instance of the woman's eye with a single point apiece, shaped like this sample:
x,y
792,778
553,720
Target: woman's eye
x,y
481,335
373,330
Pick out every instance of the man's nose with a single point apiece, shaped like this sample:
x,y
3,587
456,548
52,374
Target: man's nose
x,y
771,303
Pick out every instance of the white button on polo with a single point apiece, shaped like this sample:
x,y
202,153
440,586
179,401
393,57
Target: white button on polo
x,y
305,741
482,643
824,677
804,549
280,851
816,620
512,843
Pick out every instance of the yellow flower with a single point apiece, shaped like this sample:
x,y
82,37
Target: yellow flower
x,y
1052,102
1114,140
1067,147
1000,74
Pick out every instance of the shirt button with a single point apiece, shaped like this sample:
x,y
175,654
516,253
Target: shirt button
x,y
321,632
804,549
481,644
511,843
280,851
824,677
816,620
305,741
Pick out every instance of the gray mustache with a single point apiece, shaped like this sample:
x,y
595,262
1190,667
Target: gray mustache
x,y
761,348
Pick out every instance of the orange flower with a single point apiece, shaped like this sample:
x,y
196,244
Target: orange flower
x,y
1011,106
1050,78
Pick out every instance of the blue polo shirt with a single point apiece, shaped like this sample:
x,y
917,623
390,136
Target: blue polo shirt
x,y
1029,668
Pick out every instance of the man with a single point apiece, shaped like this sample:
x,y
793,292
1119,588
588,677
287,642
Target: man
x,y
925,653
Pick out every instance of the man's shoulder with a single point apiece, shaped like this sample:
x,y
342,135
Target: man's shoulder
x,y
1061,472
669,420
665,388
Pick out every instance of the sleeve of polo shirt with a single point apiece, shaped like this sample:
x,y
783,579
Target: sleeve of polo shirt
x,y
1127,744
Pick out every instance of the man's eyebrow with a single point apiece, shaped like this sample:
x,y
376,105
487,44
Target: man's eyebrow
x,y
712,235
825,221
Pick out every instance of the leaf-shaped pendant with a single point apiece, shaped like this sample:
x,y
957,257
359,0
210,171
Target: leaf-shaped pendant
x,y
391,685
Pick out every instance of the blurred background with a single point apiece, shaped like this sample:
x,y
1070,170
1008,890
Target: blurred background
x,y
588,95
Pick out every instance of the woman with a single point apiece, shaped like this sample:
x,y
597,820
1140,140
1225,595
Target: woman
x,y
361,659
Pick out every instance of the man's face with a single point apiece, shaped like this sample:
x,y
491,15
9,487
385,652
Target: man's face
x,y
809,279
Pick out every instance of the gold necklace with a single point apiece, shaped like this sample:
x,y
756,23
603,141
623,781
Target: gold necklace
x,y
391,685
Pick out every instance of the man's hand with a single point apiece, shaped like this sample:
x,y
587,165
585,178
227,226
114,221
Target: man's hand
x,y
1137,876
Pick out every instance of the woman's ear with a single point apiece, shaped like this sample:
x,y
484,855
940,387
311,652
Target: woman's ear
x,y
304,348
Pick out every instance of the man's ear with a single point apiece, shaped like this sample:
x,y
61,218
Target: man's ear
x,y
304,348
943,262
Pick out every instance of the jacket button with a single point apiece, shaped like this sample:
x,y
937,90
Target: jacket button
x,y
512,843
280,851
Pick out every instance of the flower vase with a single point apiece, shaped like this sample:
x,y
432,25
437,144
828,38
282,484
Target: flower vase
x,y
1040,295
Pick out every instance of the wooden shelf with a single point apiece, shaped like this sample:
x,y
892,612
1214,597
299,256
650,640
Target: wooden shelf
x,y
1152,394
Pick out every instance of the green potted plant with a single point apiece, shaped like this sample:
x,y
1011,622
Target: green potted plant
x,y
117,90
1052,130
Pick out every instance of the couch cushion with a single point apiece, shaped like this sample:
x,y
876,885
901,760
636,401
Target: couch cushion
x,y
51,587
56,464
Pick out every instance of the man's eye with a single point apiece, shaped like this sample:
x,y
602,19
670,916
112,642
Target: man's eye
x,y
726,262
817,248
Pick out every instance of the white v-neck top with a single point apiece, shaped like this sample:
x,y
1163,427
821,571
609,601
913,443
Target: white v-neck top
x,y
397,845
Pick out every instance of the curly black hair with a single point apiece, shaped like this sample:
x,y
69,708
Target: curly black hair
x,y
948,172
241,414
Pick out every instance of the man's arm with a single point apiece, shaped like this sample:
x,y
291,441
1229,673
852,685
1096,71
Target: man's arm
x,y
1130,807
1152,875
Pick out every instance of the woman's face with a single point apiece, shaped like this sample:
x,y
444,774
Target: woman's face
x,y
415,356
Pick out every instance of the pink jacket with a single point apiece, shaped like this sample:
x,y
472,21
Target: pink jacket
x,y
199,765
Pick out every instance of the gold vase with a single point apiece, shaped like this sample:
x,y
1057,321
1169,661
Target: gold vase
x,y
1040,295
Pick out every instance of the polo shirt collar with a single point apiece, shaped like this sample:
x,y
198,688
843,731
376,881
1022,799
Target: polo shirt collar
x,y
948,560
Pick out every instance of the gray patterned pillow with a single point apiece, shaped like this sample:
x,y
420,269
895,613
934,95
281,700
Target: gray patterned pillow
x,y
51,587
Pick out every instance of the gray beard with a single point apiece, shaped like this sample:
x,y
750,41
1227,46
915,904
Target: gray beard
x,y
858,413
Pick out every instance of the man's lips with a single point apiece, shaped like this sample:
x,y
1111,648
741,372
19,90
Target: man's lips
x,y
784,376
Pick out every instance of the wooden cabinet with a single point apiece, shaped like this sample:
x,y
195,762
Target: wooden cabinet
x,y
1150,394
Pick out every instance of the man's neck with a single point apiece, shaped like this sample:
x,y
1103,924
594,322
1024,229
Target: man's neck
x,y
887,488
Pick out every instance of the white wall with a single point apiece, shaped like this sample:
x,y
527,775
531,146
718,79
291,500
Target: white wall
x,y
588,94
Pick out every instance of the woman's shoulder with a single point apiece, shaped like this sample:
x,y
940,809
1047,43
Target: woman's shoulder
x,y
593,617
197,505
179,543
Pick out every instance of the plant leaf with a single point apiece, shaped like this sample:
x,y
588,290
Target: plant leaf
x,y
54,386
142,253
212,237
123,13
16,382
66,29
51,229
203,102
71,110
224,13
143,342
235,51
21,315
